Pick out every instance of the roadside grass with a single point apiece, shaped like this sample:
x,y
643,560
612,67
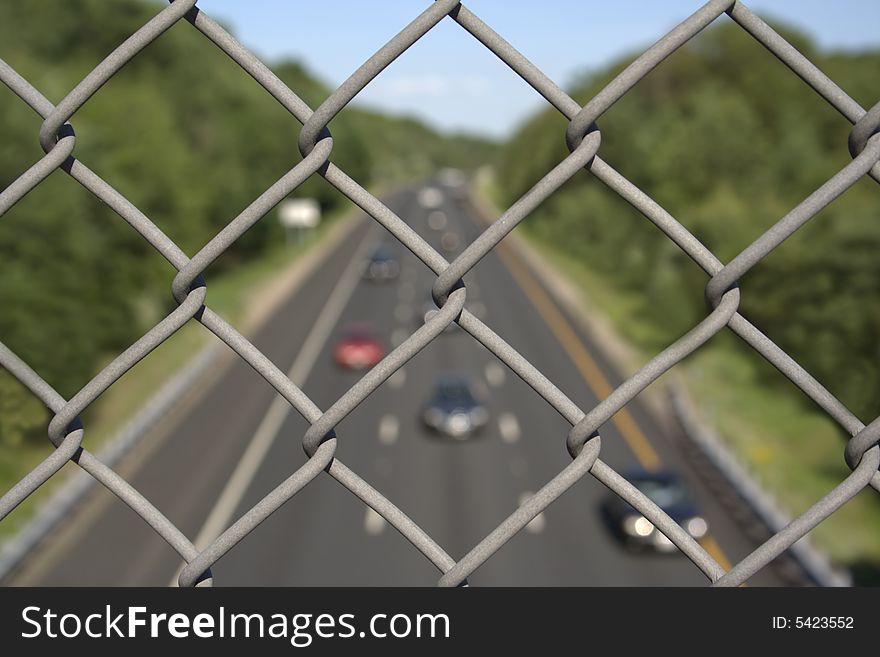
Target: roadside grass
x,y
229,295
232,294
791,447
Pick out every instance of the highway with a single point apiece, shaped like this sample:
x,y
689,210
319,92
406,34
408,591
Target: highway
x,y
227,445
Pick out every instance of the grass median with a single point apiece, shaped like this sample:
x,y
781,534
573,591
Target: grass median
x,y
791,448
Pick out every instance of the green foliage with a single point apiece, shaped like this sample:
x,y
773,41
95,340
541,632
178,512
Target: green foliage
x,y
186,136
21,414
728,140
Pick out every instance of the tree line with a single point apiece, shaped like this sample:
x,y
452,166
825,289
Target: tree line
x,y
191,140
728,140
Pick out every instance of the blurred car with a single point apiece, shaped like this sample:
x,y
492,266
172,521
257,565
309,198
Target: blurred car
x,y
668,491
358,348
449,242
437,220
454,409
381,265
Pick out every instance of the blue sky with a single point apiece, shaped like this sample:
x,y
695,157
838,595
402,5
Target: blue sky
x,y
450,80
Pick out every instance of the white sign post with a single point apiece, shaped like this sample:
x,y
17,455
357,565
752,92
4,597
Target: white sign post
x,y
298,215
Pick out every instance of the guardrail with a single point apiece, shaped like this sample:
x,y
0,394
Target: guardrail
x,y
704,437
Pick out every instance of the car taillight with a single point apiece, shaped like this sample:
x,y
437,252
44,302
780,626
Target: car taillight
x,y
363,351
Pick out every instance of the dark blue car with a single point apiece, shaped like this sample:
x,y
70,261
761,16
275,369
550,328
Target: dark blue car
x,y
454,409
668,491
382,265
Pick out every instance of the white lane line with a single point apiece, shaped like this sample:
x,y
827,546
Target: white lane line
x,y
398,337
398,378
406,291
403,312
508,426
374,524
389,427
255,453
495,374
539,522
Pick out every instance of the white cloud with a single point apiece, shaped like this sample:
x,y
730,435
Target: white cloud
x,y
434,86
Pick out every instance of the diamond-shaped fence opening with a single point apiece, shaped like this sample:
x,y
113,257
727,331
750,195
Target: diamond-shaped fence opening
x,y
583,137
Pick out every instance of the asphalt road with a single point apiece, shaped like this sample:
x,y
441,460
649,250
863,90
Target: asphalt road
x,y
457,491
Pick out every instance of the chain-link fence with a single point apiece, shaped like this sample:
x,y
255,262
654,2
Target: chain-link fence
x,y
583,138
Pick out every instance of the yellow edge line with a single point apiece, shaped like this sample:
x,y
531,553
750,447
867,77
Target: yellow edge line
x,y
711,546
623,420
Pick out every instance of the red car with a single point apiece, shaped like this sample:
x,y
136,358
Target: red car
x,y
358,348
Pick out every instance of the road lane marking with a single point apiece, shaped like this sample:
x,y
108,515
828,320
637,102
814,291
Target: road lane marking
x,y
67,534
509,428
711,546
219,518
398,378
374,524
495,374
389,427
539,522
568,338
623,420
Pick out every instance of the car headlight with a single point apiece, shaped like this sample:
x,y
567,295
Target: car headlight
x,y
433,417
458,423
696,527
637,526
662,542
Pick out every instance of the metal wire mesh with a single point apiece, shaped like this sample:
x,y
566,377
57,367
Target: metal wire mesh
x,y
583,137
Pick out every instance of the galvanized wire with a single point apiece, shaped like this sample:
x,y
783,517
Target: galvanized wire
x,y
316,144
